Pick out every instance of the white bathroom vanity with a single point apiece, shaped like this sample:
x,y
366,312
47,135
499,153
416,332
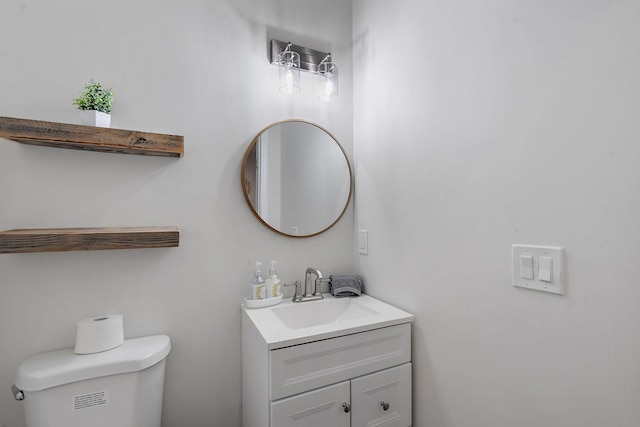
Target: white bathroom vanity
x,y
334,362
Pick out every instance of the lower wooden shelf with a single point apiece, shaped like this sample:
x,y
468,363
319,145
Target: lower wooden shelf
x,y
87,239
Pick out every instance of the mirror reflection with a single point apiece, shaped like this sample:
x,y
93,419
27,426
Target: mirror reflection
x,y
296,178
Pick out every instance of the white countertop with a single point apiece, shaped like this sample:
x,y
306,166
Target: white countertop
x,y
360,314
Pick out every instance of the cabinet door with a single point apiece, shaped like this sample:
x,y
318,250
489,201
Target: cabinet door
x,y
318,408
382,399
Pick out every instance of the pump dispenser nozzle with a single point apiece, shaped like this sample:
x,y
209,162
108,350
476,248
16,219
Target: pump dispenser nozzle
x,y
272,270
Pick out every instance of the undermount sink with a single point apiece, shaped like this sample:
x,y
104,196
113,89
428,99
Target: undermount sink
x,y
305,315
296,323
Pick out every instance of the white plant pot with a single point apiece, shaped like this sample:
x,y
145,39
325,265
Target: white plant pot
x,y
95,118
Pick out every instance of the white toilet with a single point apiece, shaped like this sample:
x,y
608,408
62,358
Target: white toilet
x,y
119,387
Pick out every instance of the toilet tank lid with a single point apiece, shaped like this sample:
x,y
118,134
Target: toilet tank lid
x,y
60,367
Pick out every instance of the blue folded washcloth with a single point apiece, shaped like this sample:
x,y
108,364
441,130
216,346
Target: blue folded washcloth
x,y
346,285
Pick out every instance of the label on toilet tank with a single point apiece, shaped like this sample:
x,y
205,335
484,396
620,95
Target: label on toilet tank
x,y
90,400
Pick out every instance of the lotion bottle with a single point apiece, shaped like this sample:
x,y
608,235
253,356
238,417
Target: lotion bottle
x,y
273,283
257,287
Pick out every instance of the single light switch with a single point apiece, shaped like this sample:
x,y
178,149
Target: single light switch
x,y
526,267
363,242
545,269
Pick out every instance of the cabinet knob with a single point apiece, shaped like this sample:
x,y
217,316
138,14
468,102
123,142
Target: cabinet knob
x,y
384,405
346,406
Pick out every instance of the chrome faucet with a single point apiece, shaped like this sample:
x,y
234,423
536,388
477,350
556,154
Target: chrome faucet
x,y
312,289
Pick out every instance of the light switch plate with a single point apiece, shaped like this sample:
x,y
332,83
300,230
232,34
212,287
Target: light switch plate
x,y
552,256
363,242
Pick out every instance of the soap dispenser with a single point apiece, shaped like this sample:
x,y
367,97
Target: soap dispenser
x,y
272,282
257,287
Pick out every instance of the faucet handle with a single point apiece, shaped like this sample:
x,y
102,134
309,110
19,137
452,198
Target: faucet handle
x,y
297,295
318,285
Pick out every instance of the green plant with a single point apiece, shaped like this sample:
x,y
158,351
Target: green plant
x,y
95,97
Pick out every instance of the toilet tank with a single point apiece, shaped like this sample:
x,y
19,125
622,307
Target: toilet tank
x,y
119,387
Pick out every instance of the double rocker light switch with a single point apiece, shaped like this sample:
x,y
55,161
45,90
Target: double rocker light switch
x,y
539,268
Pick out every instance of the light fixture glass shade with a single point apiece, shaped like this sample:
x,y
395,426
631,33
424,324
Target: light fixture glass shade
x,y
327,81
289,72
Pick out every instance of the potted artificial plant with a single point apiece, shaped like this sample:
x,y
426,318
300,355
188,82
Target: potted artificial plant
x,y
95,105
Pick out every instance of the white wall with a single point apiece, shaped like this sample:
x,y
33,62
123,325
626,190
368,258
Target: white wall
x,y
482,124
196,68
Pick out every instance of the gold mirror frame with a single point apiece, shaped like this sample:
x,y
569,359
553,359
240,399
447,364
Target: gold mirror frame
x,y
246,187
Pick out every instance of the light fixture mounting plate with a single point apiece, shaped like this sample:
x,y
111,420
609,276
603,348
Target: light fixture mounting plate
x,y
309,58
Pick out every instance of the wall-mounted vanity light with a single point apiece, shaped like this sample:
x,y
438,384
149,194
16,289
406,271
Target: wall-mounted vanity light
x,y
289,62
327,79
292,58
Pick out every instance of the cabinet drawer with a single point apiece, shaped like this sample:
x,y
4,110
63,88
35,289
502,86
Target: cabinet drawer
x,y
309,366
383,398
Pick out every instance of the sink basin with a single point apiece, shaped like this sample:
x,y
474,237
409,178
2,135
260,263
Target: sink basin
x,y
292,323
305,315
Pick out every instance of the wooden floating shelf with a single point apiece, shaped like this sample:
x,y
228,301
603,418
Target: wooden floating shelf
x,y
86,239
79,137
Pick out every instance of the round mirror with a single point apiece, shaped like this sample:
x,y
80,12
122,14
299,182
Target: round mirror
x,y
296,178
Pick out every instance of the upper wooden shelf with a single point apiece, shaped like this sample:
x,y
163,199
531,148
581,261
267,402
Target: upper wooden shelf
x,y
84,239
79,137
